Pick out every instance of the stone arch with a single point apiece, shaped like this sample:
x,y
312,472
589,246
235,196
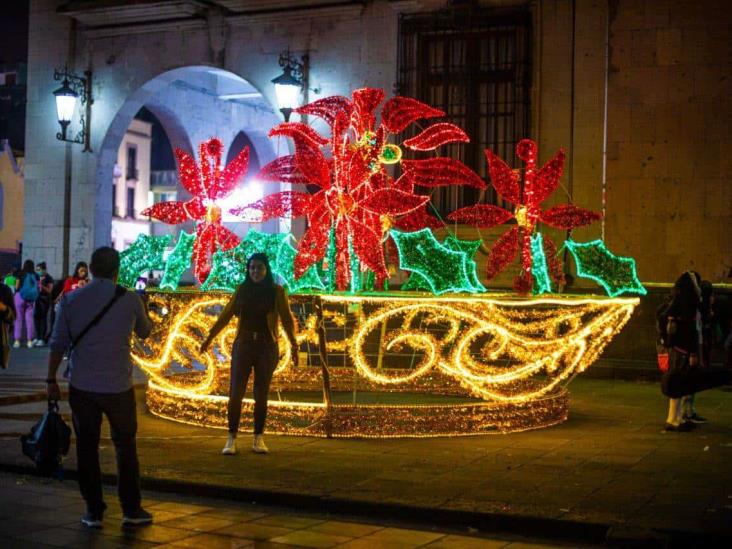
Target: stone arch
x,y
178,127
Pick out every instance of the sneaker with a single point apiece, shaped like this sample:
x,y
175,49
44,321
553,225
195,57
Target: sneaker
x,y
230,447
695,418
16,345
137,518
92,520
40,343
31,343
258,446
680,428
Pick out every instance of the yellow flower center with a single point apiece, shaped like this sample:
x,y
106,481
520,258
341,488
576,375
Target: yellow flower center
x,y
213,213
521,214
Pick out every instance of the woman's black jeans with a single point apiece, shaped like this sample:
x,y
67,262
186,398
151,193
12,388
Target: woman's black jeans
x,y
260,354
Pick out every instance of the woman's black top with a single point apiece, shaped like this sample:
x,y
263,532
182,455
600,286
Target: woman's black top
x,y
256,301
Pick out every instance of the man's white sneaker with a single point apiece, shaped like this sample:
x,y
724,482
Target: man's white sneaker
x,y
16,345
258,446
31,343
230,447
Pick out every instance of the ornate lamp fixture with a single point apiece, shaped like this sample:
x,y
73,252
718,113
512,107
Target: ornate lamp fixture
x,y
73,88
290,83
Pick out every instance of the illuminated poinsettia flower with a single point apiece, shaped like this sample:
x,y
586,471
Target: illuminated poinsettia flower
x,y
357,200
208,183
537,186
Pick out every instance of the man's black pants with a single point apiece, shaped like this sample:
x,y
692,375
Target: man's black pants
x,y
40,317
87,409
260,355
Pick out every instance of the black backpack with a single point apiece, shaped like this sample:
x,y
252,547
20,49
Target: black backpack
x,y
48,440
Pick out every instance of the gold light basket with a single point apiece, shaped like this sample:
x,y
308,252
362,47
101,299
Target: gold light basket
x,y
396,365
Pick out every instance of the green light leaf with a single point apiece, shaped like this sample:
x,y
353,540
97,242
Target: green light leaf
x,y
539,269
143,255
617,275
178,261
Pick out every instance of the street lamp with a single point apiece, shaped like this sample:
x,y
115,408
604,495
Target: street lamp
x,y
73,89
290,83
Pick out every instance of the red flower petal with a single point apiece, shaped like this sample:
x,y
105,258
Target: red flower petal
x,y
327,108
503,178
313,166
314,242
190,175
209,174
231,175
195,208
480,215
366,100
225,239
418,219
343,255
437,172
524,283
173,212
568,216
404,184
399,112
203,248
503,252
300,133
283,169
283,204
556,269
547,178
393,202
436,135
368,248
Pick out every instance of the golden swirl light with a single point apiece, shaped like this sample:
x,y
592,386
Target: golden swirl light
x,y
500,363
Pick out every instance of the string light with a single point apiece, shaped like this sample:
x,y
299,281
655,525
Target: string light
x,y
143,255
508,359
539,270
616,274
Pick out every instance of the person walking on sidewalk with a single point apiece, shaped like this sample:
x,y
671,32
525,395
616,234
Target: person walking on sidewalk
x,y
7,318
260,305
94,326
43,303
26,294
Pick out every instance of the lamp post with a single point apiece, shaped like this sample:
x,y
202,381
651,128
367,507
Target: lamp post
x,y
73,89
290,83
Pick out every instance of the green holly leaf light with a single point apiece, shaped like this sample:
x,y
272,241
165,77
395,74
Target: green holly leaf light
x,y
443,269
283,266
617,275
178,261
539,269
143,255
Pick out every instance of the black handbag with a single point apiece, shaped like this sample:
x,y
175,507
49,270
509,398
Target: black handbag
x,y
48,441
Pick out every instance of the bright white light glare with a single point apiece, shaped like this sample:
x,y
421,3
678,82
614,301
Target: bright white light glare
x,y
246,95
65,105
250,191
288,96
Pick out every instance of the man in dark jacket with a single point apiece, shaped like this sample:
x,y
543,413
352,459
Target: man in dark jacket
x,y
101,381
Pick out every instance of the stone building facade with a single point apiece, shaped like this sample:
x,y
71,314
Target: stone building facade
x,y
636,91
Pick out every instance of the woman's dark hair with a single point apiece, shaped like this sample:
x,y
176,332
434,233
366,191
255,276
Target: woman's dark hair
x,y
79,265
686,294
6,296
29,266
268,279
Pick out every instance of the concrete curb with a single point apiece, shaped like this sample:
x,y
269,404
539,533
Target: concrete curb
x,y
568,531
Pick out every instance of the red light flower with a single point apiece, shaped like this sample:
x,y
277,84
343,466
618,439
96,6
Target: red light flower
x,y
357,199
207,183
538,185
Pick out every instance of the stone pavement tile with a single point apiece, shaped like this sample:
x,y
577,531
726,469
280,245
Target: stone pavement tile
x,y
50,517
466,542
197,523
352,529
154,533
12,526
63,537
10,543
177,507
249,530
402,535
308,538
159,516
288,521
210,541
526,545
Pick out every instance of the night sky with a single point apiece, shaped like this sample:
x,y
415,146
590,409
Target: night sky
x,y
14,31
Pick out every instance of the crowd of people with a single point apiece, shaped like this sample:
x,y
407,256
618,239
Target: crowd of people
x,y
31,296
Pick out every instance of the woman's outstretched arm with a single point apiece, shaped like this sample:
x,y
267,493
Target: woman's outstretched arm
x,y
221,322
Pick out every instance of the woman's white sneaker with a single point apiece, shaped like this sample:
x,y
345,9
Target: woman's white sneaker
x,y
258,446
230,447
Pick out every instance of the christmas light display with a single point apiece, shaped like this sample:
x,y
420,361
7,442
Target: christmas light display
x,y
537,186
178,261
539,270
507,359
617,275
358,201
208,183
143,255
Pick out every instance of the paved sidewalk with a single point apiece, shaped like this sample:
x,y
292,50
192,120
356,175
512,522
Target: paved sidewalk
x,y
610,470
41,513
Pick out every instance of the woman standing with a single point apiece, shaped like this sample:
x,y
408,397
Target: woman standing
x,y
7,318
260,305
78,279
26,294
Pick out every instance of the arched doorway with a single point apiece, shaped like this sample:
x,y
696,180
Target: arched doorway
x,y
192,104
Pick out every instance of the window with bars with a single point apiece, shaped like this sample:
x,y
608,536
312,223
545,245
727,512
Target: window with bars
x,y
475,64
